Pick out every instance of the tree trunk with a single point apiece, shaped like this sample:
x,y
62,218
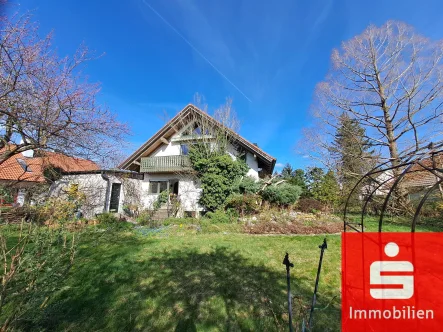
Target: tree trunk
x,y
400,192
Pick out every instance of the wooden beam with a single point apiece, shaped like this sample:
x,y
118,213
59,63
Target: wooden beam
x,y
136,162
164,140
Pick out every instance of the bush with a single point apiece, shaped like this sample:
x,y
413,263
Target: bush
x,y
107,218
247,185
244,204
310,205
282,195
220,217
57,210
218,173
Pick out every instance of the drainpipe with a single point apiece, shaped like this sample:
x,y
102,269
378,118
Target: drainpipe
x,y
108,185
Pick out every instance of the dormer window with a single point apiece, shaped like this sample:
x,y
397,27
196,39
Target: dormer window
x,y
23,164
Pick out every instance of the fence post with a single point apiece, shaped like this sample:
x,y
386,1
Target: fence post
x,y
288,280
314,297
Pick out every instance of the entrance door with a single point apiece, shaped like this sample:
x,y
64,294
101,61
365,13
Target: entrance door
x,y
115,197
175,188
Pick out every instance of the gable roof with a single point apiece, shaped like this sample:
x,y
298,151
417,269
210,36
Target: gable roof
x,y
418,176
33,167
267,161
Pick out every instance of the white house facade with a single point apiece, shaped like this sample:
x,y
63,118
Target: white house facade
x,y
162,163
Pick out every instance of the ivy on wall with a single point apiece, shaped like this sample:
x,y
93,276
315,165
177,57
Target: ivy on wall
x,y
218,173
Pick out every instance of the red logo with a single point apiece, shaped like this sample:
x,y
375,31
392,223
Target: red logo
x,y
392,282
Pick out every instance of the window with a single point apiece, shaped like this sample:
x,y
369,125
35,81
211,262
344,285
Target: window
x,y
184,149
197,131
156,187
163,185
23,164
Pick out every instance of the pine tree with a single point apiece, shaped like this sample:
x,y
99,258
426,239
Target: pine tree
x,y
287,171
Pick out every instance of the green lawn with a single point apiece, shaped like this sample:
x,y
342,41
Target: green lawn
x,y
177,281
400,224
180,279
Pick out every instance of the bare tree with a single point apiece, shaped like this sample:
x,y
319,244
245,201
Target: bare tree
x,y
46,102
389,79
213,132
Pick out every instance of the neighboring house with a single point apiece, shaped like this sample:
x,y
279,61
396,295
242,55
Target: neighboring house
x,y
162,163
23,171
416,181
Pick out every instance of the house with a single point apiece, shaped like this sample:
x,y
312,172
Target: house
x,y
417,180
162,163
25,170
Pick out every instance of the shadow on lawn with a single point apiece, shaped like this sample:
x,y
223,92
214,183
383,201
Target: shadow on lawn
x,y
126,288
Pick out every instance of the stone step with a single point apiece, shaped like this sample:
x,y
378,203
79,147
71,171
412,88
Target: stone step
x,y
161,214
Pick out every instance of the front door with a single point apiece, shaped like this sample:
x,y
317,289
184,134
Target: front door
x,y
175,188
115,197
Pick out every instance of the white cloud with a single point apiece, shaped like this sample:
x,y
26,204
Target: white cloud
x,y
279,165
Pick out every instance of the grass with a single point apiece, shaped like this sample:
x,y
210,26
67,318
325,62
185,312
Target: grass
x,y
187,278
399,224
180,281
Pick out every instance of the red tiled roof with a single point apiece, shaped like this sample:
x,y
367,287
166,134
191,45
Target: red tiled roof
x,y
11,170
68,164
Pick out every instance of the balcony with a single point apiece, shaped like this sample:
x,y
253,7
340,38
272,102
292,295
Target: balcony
x,y
165,164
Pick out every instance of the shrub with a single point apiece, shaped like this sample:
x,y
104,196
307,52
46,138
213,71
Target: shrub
x,y
218,173
282,195
161,199
310,205
56,210
220,217
216,188
244,204
38,262
247,185
107,218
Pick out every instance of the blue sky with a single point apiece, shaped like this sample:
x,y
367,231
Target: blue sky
x,y
268,55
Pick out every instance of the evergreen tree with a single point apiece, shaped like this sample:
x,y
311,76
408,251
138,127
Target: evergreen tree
x,y
328,190
295,177
352,153
323,187
298,178
314,176
287,171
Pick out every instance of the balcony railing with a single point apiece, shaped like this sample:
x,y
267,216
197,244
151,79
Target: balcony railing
x,y
165,164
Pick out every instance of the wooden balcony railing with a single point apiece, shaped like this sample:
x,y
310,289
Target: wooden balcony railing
x,y
165,164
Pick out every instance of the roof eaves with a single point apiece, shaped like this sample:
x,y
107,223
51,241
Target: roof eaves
x,y
182,113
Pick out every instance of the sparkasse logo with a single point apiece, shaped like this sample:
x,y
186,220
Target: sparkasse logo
x,y
392,281
379,281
